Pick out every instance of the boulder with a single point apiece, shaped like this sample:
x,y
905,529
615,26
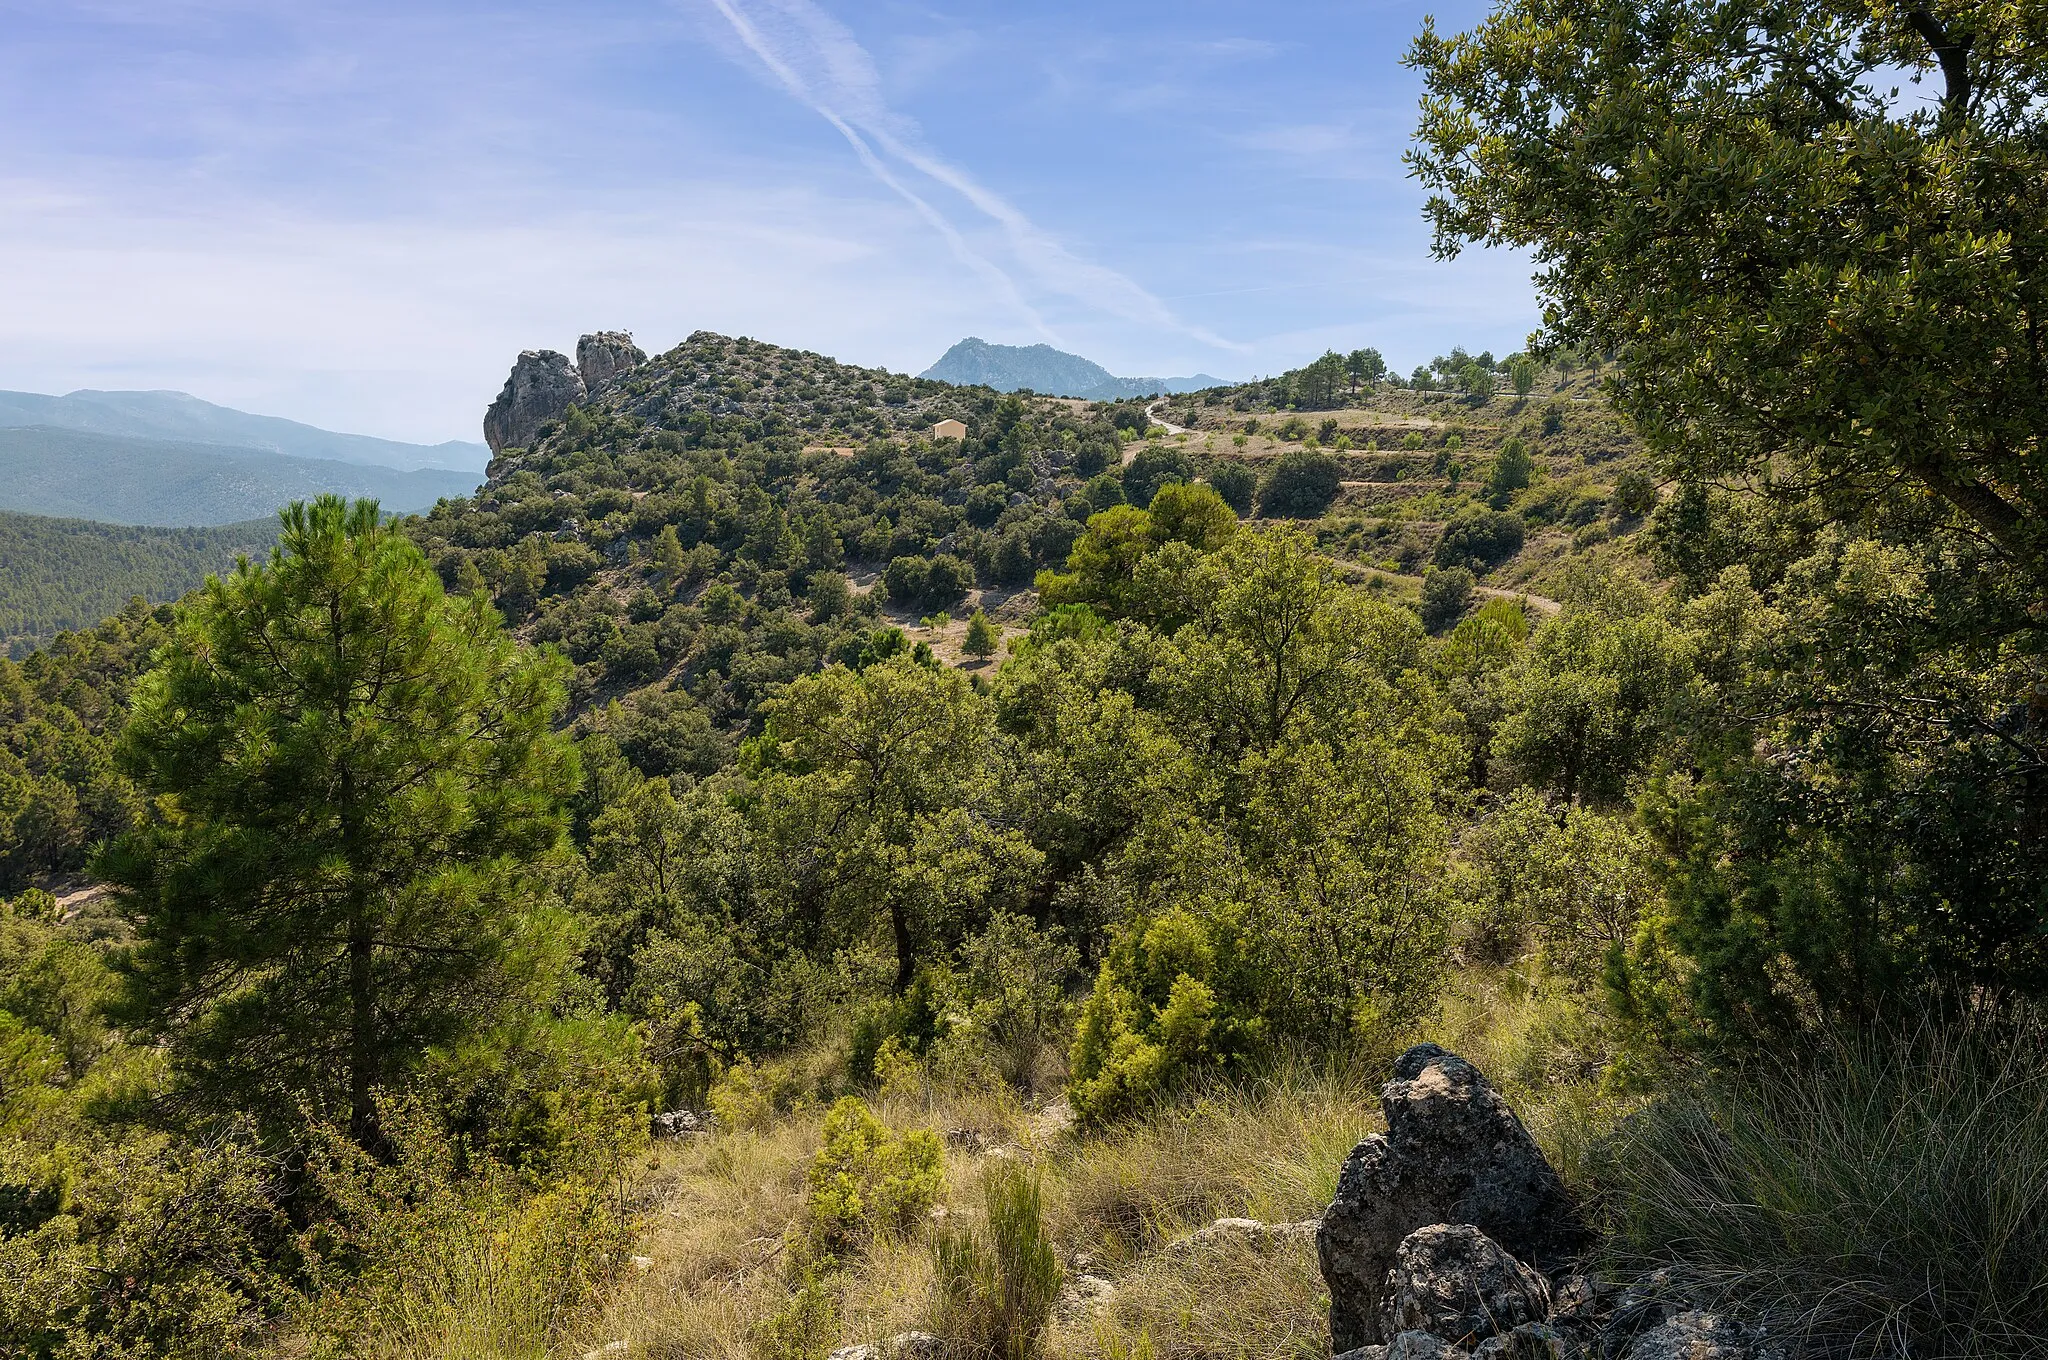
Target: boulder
x,y
1453,1153
1247,1233
1454,1281
902,1346
541,387
1696,1335
680,1124
604,357
1421,1346
1530,1341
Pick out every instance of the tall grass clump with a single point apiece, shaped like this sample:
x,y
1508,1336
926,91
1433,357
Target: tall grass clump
x,y
994,1290
1881,1195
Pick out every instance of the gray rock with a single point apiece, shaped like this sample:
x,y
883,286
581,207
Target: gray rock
x,y
680,1124
1421,1346
1454,1153
1244,1232
902,1346
1695,1335
603,358
541,387
1530,1341
1456,1282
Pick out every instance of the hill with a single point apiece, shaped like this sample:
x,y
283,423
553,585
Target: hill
x,y
187,419
124,479
1043,369
59,574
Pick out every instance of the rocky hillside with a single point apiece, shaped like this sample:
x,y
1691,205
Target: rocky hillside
x,y
697,528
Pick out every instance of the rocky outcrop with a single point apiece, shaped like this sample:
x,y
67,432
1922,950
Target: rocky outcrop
x,y
1239,1233
680,1124
601,359
1453,1281
542,385
1455,1154
1449,1237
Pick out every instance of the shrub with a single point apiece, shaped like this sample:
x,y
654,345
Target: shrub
x,y
1236,484
1152,1018
1874,1194
867,1179
1635,493
1480,540
994,1292
1446,595
807,1324
1301,485
1153,467
144,1247
1012,981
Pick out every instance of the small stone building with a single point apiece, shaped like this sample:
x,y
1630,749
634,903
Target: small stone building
x,y
949,429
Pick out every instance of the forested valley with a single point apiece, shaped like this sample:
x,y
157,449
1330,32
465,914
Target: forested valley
x,y
766,874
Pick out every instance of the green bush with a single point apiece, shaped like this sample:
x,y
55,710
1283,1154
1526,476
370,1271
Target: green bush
x,y
1872,1194
1479,540
868,1179
1237,484
994,1292
141,1247
1446,595
1152,1018
1301,485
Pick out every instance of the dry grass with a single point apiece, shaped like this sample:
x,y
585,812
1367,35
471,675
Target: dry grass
x,y
1235,1302
718,1211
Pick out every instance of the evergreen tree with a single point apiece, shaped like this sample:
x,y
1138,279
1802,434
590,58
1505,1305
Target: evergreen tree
x,y
667,557
356,776
982,636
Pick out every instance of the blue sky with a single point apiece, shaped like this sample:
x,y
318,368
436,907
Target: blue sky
x,y
356,214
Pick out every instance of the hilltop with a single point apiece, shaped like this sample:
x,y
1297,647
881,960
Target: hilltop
x,y
1040,368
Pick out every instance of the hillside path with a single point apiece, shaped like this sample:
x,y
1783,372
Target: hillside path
x,y
1152,414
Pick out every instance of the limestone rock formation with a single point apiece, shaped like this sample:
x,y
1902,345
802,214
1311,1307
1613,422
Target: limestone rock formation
x,y
542,385
1452,1280
602,358
1453,1153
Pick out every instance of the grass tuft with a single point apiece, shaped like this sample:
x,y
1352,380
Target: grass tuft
x,y
1879,1195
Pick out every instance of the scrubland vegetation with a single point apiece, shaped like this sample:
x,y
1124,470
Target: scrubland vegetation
x,y
1655,718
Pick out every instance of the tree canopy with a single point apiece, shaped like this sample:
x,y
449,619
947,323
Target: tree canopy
x,y
358,774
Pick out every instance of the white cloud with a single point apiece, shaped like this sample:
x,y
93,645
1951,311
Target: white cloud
x,y
406,329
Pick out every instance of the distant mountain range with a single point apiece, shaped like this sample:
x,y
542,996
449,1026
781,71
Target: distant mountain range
x,y
123,479
178,416
1048,371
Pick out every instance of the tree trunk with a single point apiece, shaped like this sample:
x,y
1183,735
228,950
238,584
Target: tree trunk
x,y
906,959
362,1041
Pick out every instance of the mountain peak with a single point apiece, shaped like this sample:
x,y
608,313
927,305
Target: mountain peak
x,y
977,362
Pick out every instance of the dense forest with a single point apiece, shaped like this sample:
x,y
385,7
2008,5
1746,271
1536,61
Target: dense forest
x,y
1077,816
68,574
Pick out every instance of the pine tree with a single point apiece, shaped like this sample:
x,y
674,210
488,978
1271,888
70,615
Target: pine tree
x,y
356,776
667,557
982,636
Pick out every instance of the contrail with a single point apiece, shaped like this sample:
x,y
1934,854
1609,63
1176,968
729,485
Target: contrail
x,y
749,34
839,82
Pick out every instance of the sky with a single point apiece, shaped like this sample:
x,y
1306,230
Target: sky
x,y
357,214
